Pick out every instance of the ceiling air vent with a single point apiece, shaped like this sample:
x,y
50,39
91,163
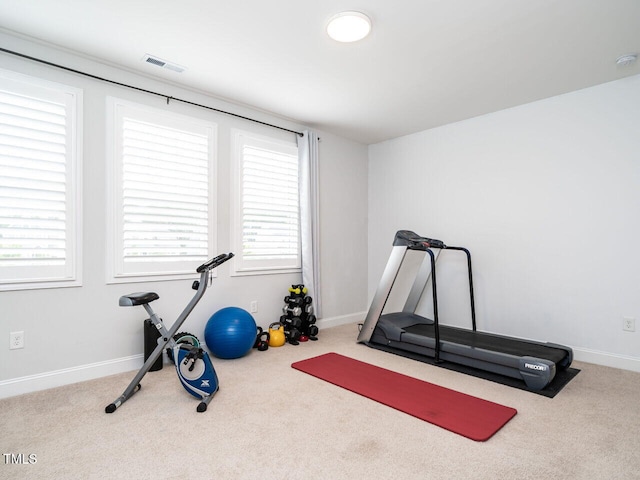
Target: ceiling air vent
x,y
162,63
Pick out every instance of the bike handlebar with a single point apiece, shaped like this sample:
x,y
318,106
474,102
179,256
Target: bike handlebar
x,y
214,262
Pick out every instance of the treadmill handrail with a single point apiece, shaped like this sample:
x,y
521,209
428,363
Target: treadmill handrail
x,y
471,296
408,240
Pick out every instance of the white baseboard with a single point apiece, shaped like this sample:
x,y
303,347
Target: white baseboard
x,y
67,376
341,320
622,362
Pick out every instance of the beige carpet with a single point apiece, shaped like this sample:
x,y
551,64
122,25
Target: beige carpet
x,y
269,421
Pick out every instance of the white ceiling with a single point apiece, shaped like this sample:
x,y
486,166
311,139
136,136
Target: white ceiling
x,y
426,63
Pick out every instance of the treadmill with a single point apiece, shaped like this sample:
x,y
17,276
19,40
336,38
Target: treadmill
x,y
535,363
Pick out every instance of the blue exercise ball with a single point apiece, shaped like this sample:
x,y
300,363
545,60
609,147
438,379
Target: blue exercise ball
x,y
230,333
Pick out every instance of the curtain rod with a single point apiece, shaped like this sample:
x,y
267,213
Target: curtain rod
x,y
168,97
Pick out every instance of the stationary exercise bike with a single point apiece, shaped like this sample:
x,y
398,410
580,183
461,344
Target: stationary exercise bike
x,y
193,365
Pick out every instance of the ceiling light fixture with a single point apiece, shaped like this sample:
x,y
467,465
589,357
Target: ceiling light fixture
x,y
627,59
349,27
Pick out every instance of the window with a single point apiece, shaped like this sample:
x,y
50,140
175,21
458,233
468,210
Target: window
x,y
162,210
266,212
40,152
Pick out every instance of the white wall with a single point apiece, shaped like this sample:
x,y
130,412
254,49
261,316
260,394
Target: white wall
x,y
343,232
546,196
76,333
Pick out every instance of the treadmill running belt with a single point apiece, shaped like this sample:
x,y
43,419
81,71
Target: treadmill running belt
x,y
489,341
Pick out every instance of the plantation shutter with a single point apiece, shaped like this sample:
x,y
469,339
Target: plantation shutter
x,y
162,212
269,205
165,193
37,187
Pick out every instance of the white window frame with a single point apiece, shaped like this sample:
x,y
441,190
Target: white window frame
x,y
240,265
68,274
119,271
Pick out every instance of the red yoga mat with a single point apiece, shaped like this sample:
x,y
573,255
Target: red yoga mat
x,y
460,413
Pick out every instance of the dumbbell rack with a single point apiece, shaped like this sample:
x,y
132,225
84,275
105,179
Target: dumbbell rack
x,y
297,317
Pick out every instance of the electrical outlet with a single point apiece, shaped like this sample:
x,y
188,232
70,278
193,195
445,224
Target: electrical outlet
x,y
253,307
16,340
628,324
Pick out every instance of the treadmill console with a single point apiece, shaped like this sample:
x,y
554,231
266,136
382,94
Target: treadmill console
x,y
407,238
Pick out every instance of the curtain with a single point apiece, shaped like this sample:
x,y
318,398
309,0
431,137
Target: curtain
x,y
309,216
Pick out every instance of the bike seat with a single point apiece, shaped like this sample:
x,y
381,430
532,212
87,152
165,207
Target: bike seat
x,y
138,298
